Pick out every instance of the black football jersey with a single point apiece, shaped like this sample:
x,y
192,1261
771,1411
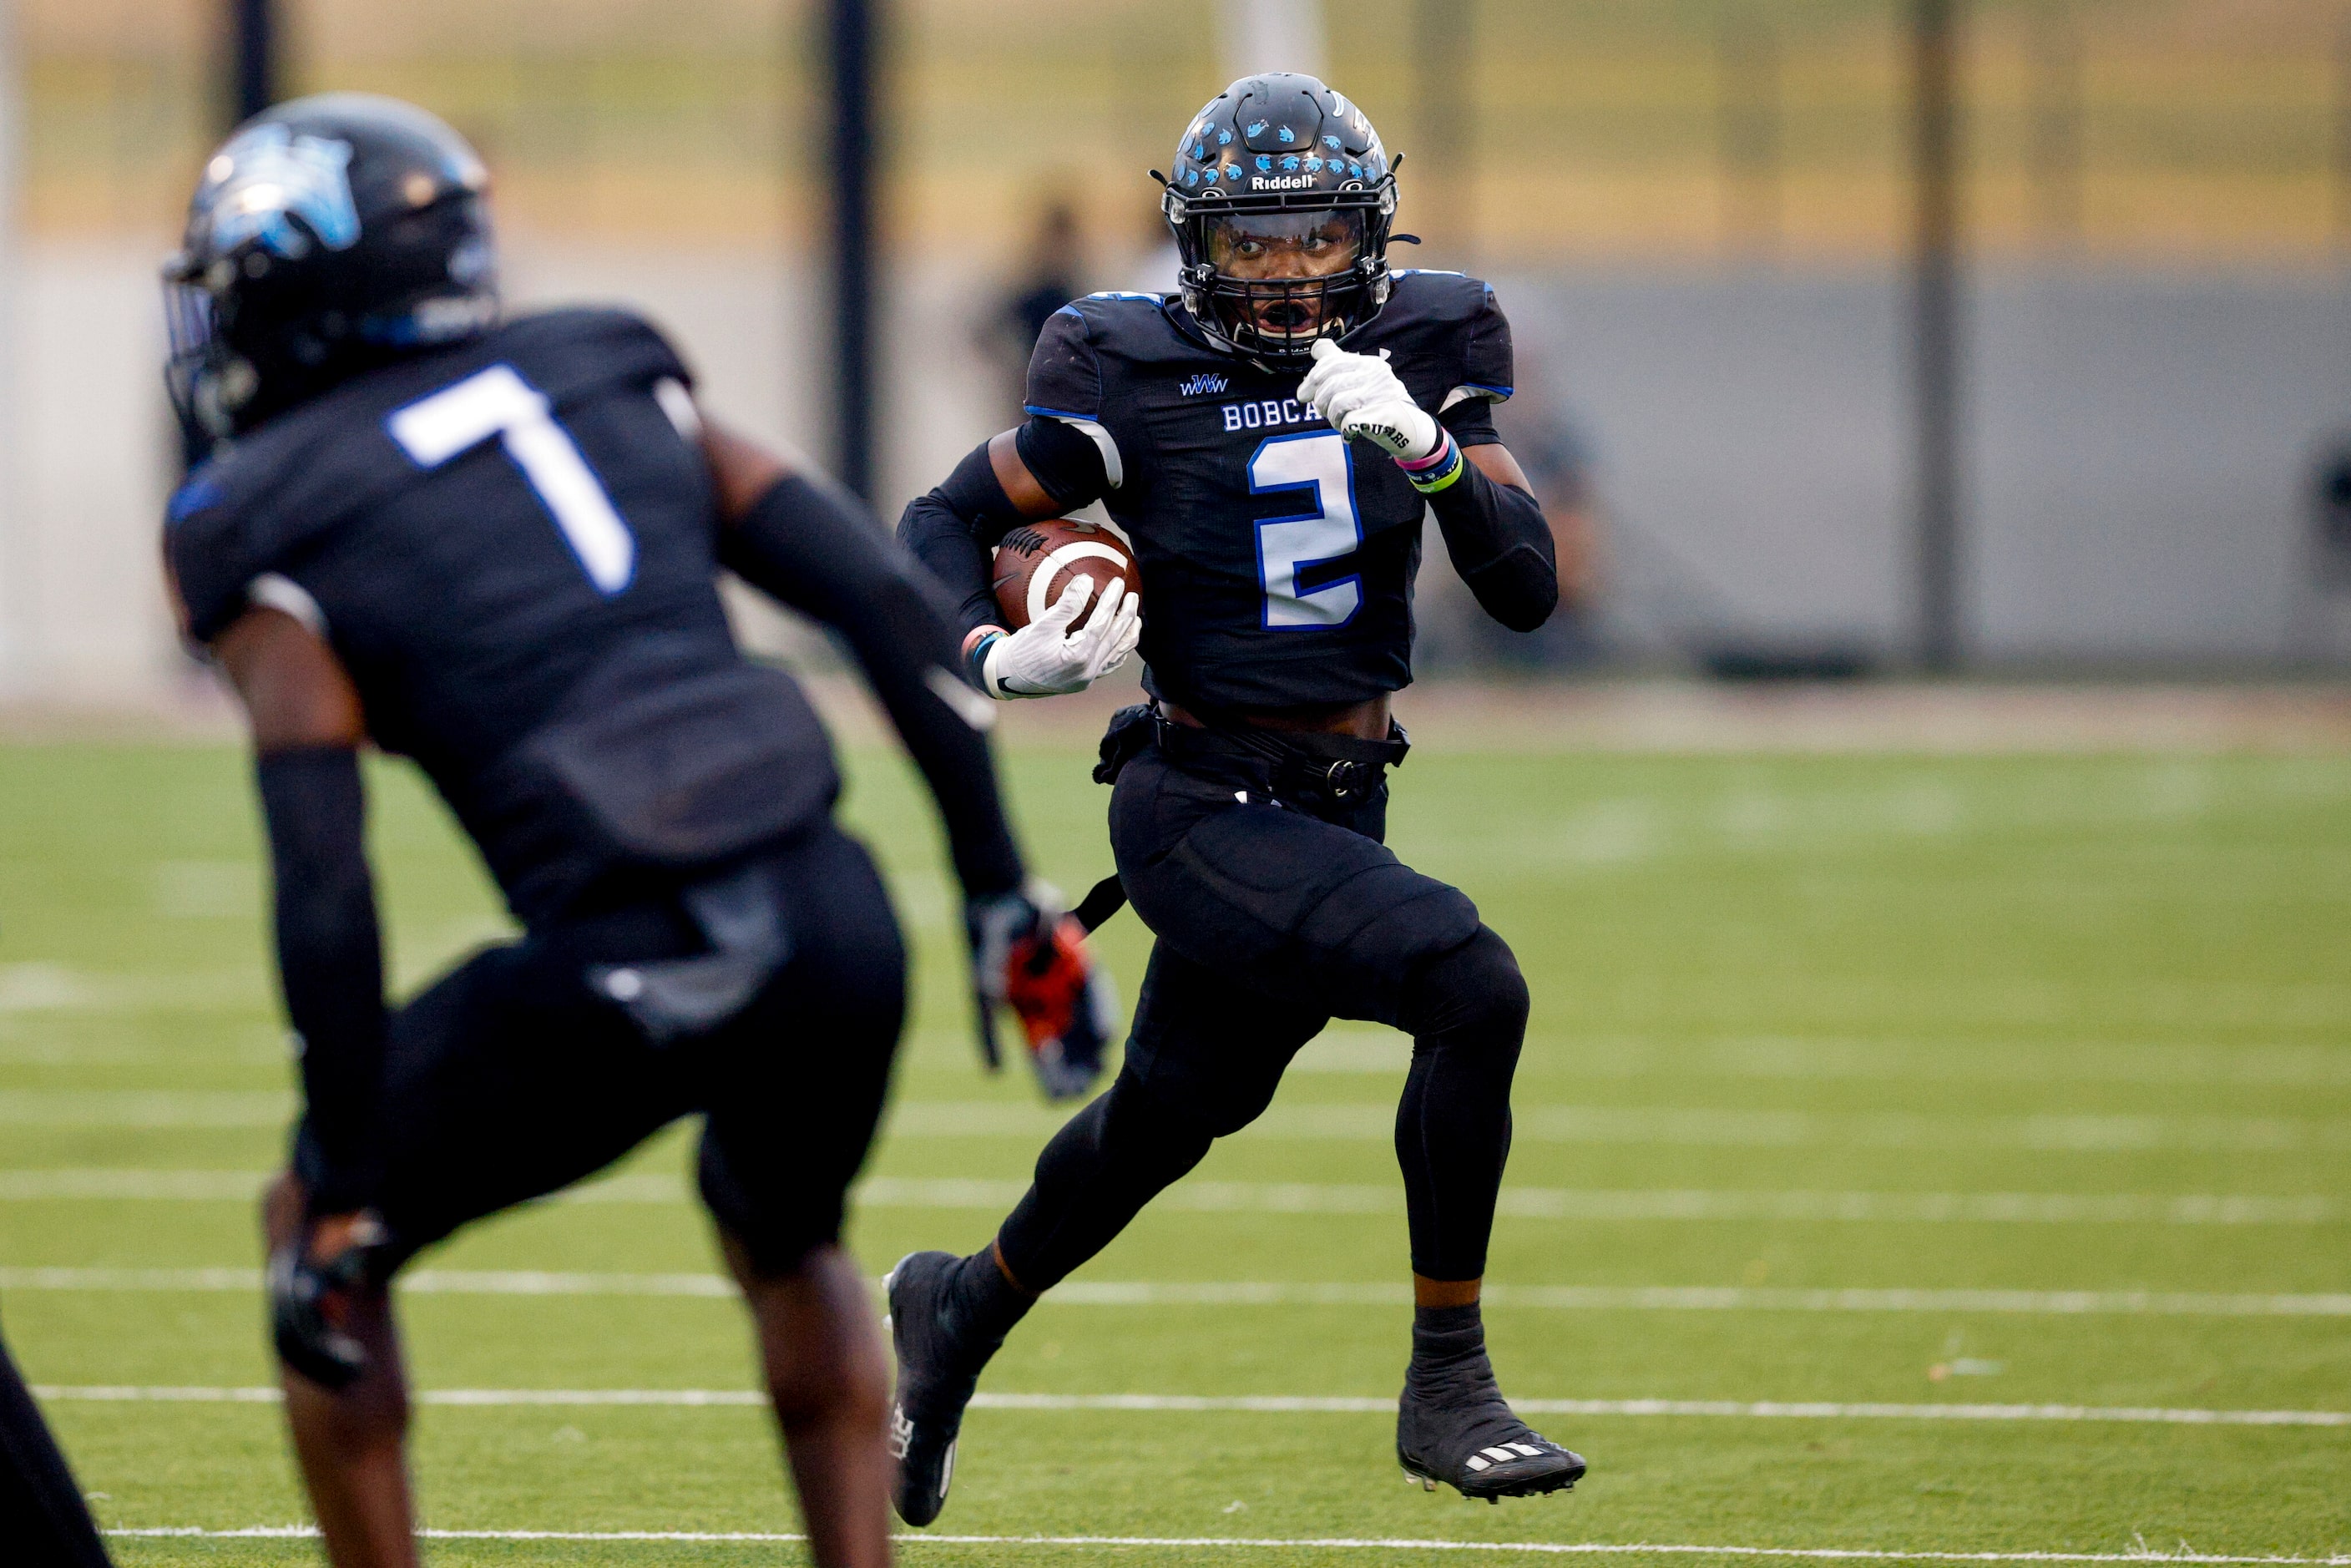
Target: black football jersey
x,y
1277,558
479,528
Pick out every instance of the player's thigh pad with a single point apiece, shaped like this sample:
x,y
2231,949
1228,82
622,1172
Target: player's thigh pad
x,y
797,1081
510,1078
1279,899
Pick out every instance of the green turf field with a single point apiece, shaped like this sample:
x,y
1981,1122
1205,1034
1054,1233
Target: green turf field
x,y
1887,1086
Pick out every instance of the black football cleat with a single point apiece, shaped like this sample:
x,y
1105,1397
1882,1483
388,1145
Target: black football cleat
x,y
937,1377
1458,1428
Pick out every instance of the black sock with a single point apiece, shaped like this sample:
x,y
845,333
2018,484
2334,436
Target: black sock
x,y
985,1304
1448,1351
1443,1335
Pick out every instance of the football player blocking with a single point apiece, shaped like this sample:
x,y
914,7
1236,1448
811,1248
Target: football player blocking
x,y
1270,440
492,547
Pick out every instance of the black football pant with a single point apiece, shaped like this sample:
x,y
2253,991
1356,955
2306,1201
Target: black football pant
x,y
43,1522
513,1077
1272,920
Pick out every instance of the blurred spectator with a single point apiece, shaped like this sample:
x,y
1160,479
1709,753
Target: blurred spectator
x,y
1048,279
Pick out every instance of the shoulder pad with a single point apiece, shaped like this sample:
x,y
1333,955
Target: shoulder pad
x,y
1139,328
1438,296
304,472
1449,324
566,352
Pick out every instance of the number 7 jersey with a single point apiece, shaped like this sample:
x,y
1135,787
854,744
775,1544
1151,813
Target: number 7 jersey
x,y
476,531
1277,558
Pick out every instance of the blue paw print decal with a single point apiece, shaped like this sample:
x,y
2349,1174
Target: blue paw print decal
x,y
1224,139
1257,127
1313,165
1290,164
1264,163
1332,142
1232,170
1287,135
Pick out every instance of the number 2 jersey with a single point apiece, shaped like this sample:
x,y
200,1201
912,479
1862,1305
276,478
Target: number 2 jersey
x,y
1277,558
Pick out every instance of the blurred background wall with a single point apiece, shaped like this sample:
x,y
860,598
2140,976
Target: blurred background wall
x,y
1699,214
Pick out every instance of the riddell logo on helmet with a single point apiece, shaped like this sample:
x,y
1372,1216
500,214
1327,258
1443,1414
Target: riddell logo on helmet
x,y
1281,182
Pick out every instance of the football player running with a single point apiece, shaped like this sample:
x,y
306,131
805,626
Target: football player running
x,y
494,549
1270,439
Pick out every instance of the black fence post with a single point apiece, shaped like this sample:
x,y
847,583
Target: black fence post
x,y
850,51
252,84
1935,325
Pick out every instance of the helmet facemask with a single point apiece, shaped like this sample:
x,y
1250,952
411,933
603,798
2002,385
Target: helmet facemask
x,y
1281,198
1270,283
192,372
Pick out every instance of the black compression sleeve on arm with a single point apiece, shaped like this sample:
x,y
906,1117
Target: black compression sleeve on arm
x,y
814,546
1064,460
330,961
952,530
1501,545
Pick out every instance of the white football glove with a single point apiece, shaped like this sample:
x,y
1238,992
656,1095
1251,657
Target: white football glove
x,y
1047,659
1361,397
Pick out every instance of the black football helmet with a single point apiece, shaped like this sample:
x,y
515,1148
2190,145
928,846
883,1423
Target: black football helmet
x,y
329,234
1286,178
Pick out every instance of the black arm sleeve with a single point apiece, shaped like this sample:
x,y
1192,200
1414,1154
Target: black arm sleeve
x,y
330,962
953,529
813,547
1501,545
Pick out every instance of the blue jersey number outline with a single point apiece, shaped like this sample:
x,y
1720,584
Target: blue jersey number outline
x,y
498,402
1316,462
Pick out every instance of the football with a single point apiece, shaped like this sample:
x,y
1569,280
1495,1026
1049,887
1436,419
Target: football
x,y
1035,560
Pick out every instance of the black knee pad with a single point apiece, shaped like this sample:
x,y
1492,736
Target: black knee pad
x,y
1474,990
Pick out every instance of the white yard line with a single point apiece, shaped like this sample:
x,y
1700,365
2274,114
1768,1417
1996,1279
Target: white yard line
x,y
1665,1127
1323,1543
1281,1293
145,1107
1711,1128
1326,1197
1280,1405
1364,1048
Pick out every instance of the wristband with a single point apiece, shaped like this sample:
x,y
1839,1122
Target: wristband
x,y
975,644
1437,470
